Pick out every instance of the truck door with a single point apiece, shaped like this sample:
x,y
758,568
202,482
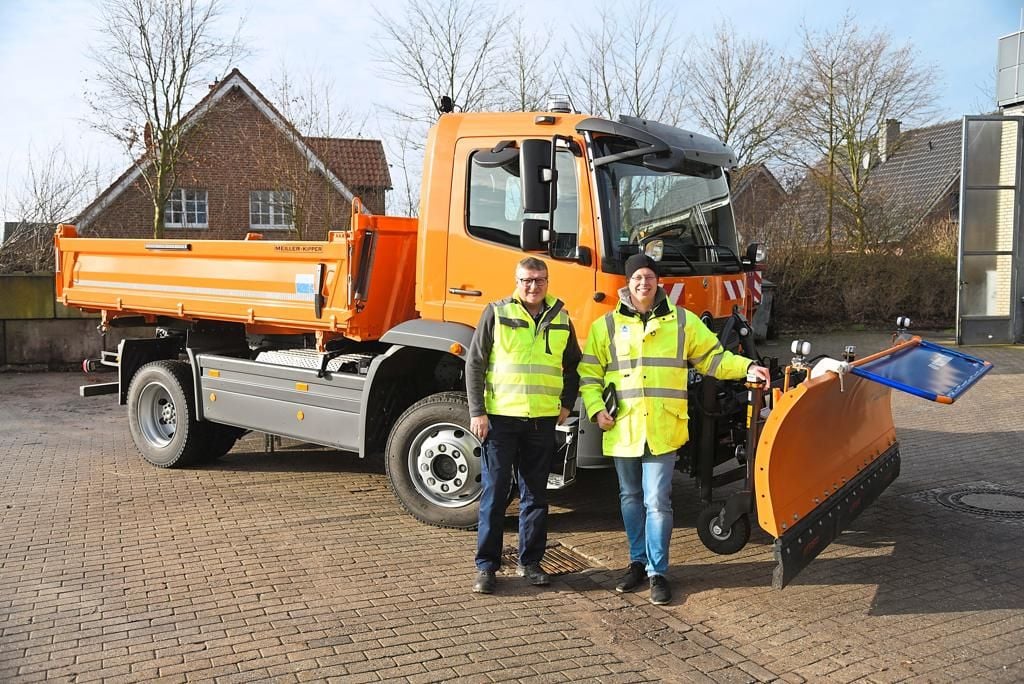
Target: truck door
x,y
484,236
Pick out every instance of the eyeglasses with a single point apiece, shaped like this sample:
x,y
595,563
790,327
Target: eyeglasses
x,y
530,282
643,278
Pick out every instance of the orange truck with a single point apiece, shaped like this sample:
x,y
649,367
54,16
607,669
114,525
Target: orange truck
x,y
358,342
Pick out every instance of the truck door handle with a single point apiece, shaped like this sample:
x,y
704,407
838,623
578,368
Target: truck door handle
x,y
468,293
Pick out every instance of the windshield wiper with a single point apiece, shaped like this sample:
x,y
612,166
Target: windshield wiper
x,y
716,249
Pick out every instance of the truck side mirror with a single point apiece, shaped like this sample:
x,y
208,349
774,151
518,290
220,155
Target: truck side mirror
x,y
755,253
535,236
536,174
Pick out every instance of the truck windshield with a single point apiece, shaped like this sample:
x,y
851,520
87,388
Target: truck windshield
x,y
690,214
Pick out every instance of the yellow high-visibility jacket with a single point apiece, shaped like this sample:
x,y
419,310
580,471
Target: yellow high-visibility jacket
x,y
524,376
649,365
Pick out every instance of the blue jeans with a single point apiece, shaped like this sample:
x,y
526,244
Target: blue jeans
x,y
645,496
527,444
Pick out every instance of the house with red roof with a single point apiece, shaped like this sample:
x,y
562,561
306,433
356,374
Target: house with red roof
x,y
247,169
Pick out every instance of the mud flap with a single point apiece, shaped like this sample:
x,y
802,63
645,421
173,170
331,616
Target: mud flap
x,y
804,541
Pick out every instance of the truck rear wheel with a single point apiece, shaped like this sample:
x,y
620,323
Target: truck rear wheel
x,y
434,464
162,415
219,440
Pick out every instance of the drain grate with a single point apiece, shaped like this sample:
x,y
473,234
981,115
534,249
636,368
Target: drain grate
x,y
558,560
979,498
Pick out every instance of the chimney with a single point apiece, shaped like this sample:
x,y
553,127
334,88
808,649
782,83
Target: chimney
x,y
887,138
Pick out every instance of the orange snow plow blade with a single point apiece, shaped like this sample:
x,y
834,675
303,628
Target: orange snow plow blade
x,y
826,452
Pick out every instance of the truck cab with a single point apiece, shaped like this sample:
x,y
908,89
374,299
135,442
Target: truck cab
x,y
585,192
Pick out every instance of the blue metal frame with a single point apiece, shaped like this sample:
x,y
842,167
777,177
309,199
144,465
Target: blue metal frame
x,y
913,370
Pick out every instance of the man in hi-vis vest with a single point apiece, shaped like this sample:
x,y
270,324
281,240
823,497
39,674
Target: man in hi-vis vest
x,y
644,347
522,381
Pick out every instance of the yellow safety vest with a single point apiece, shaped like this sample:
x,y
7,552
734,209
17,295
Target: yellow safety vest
x,y
648,365
524,372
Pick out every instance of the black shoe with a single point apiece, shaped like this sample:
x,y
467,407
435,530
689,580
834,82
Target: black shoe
x,y
533,574
661,593
485,582
635,575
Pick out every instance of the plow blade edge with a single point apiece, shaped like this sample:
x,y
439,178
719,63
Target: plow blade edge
x,y
804,541
827,450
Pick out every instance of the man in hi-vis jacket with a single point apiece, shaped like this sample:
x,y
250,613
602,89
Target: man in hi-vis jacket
x,y
521,381
644,347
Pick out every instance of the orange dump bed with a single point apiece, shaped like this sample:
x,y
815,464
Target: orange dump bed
x,y
357,283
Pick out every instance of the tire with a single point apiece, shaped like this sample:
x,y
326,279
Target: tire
x,y
721,541
219,439
162,415
433,462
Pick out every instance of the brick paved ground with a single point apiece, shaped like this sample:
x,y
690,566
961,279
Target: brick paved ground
x,y
299,566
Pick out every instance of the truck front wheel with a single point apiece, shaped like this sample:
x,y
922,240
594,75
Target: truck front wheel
x,y
162,415
433,462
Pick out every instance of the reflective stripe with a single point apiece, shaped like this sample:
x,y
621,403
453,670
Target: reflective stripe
x,y
653,392
590,358
716,349
632,364
589,381
714,363
681,335
523,368
505,388
664,363
609,321
624,365
212,291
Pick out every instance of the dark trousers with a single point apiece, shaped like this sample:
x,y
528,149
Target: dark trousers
x,y
527,444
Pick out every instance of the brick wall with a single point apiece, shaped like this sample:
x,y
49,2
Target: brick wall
x,y
233,150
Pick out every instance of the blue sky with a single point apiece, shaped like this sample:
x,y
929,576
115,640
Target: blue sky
x,y
44,63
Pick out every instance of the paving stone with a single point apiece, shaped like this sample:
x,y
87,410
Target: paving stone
x,y
299,564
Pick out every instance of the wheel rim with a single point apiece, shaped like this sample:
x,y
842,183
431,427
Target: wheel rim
x,y
158,417
717,531
444,465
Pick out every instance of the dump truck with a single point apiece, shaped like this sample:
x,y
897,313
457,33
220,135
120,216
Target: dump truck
x,y
358,341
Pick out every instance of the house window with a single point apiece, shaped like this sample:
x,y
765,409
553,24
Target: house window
x,y
186,209
271,209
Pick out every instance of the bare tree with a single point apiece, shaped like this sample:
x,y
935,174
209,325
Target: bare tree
x,y
526,81
437,48
308,100
738,89
154,58
631,63
404,146
54,188
814,108
444,48
850,84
